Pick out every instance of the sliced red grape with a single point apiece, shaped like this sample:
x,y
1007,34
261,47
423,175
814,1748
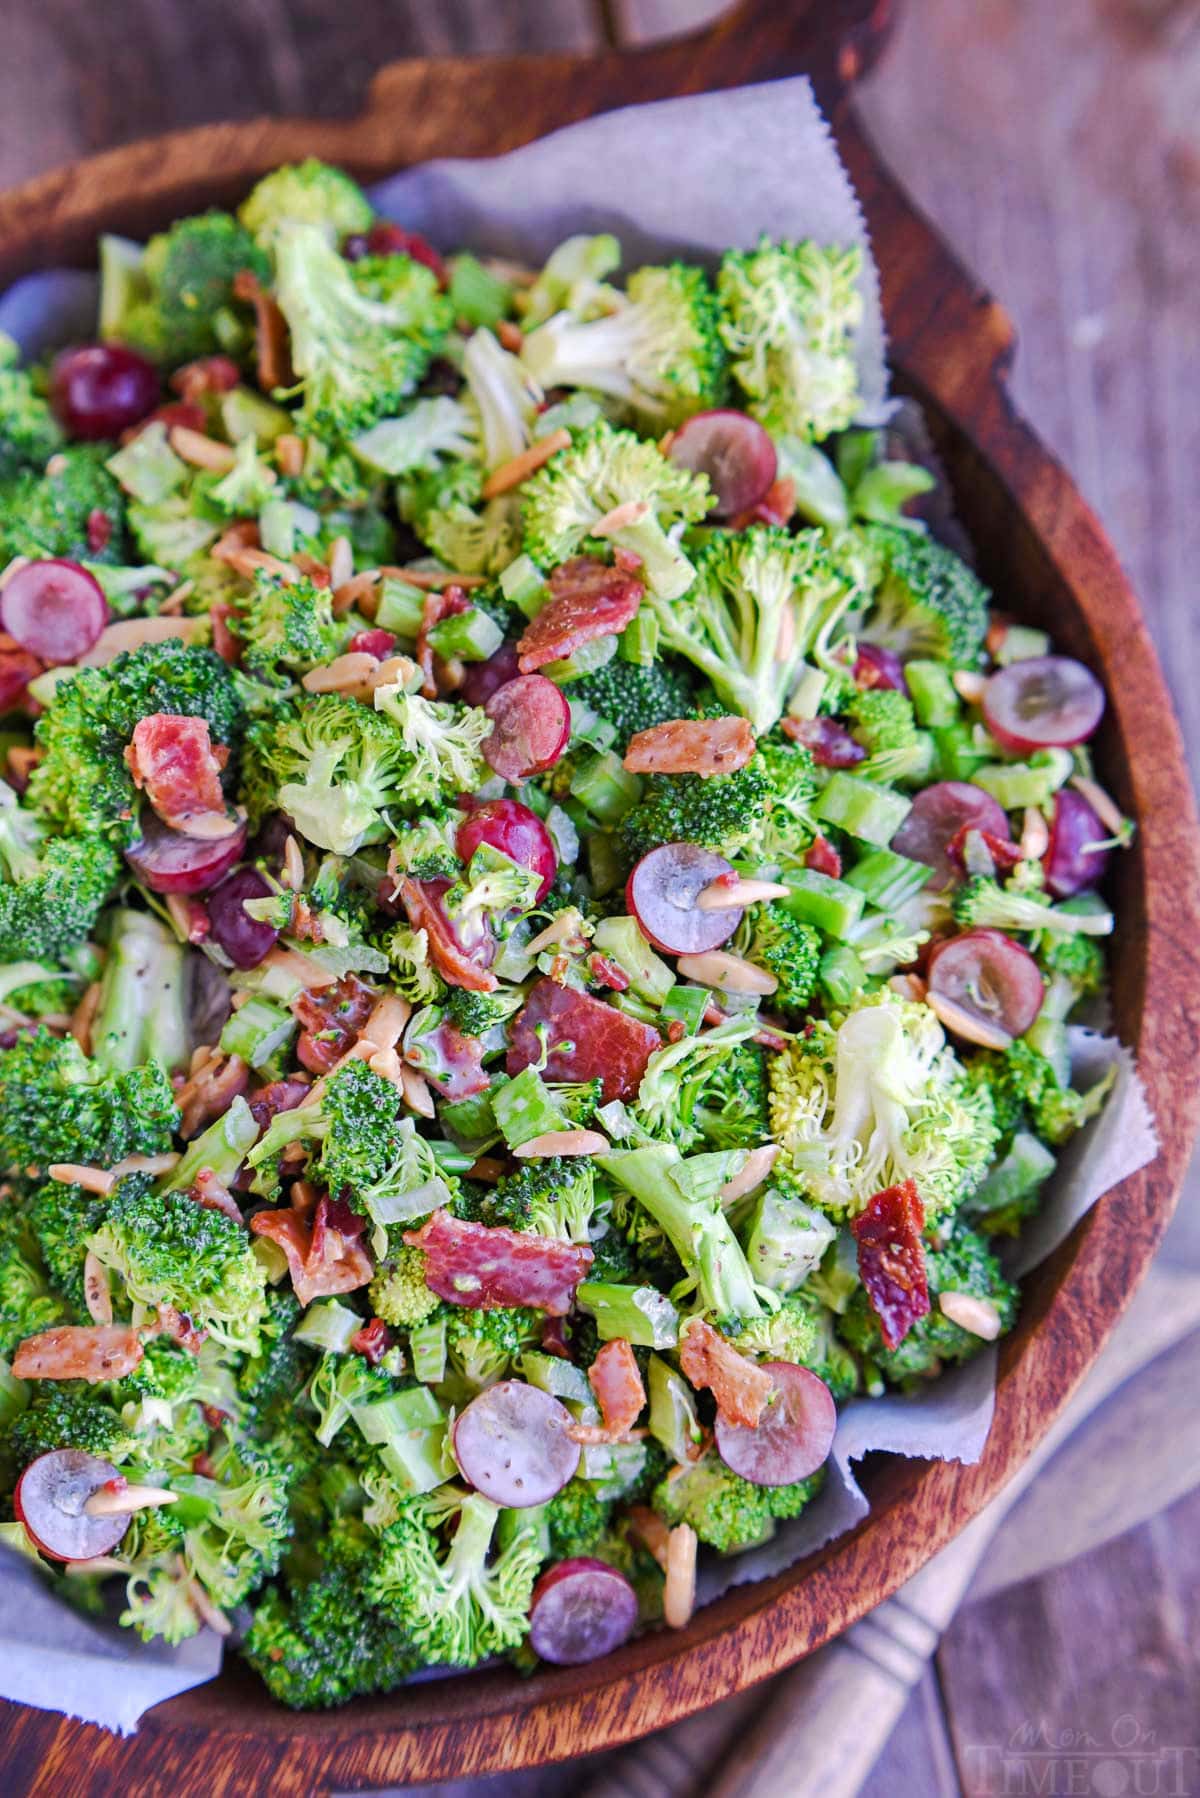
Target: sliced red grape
x,y
100,389
167,861
515,831
793,1436
53,608
385,238
245,940
734,451
581,1609
482,679
531,722
49,1501
376,642
1069,862
878,667
1047,702
937,816
828,742
662,891
512,1445
989,977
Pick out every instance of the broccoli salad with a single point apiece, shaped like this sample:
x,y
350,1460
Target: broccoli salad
x,y
540,911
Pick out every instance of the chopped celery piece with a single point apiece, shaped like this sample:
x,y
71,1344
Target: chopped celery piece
x,y
524,585
807,693
328,1325
786,1242
401,608
605,787
886,879
418,1461
589,728
841,974
1026,1167
612,1467
257,1030
688,1004
956,752
472,636
475,294
147,467
641,1314
472,1118
561,1379
245,413
122,282
604,864
931,690
1049,1037
427,1347
638,642
819,899
871,813
1020,643
586,659
673,1420
621,940
820,494
1015,785
524,1109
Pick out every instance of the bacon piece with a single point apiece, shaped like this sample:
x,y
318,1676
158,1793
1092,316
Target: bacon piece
x,y
445,604
455,963
891,1259
831,744
372,1342
740,1388
823,858
79,1352
323,1252
486,1268
173,760
271,338
691,746
180,1329
588,599
224,641
330,1018
207,374
276,1096
616,1380
607,973
587,1040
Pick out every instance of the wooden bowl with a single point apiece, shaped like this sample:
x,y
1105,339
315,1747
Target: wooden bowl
x,y
1047,558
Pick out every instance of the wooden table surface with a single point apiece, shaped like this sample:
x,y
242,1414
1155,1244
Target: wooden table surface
x,y
1057,144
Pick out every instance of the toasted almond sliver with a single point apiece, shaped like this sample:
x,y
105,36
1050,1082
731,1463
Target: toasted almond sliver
x,y
562,1142
358,591
785,642
431,581
84,1015
97,1294
1035,835
510,336
206,1610
146,1164
355,674
77,1173
208,827
621,517
679,1589
247,563
388,1065
1102,803
510,474
395,671
199,450
127,1499
132,633
341,562
293,865
99,1565
909,986
417,1095
565,925
289,454
979,1316
729,895
968,685
965,1024
757,1166
387,1021
730,973
309,973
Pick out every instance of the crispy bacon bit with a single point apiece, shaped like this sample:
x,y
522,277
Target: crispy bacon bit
x,y
829,742
207,374
79,1352
891,1259
180,1329
173,760
588,599
276,1096
740,1388
606,973
372,1342
446,604
456,964
587,1040
616,1380
224,641
271,338
691,746
209,1090
487,1268
823,858
323,1252
330,1020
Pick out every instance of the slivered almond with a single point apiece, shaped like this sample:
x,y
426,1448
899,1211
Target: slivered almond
x,y
341,562
417,1095
979,1316
633,511
1035,835
388,1065
248,562
968,685
98,1566
239,536
908,986
146,1164
172,605
560,930
387,1021
562,1142
293,865
209,827
429,580
21,760
132,633
78,1173
125,1499
299,967
757,1166
965,1024
716,967
358,592
396,671
289,454
355,674
728,895
97,1294
206,1610
84,1015
510,474
1102,803
679,1588
199,450
510,336
665,442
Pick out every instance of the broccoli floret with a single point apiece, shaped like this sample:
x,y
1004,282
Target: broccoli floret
x,y
170,1251
676,1077
791,950
449,515
324,1642
62,1218
308,193
443,741
930,605
786,827
718,811
457,1606
604,469
873,1096
484,1344
27,1303
983,904
725,1510
398,1293
287,628
966,1266
1020,1082
504,397
802,1331
475,1013
362,334
658,354
337,768
552,1197
269,1381
57,1106
54,887
75,510
575,1518
29,431
730,1109
573,281
81,782
633,697
882,720
763,600
789,312
187,304
412,975
1074,970
69,1414
430,432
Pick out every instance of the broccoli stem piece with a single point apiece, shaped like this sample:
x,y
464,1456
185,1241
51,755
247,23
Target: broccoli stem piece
x,y
640,1314
142,1015
222,1148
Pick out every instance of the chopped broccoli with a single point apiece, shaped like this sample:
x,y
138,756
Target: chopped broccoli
x,y
1074,970
573,281
965,1265
287,628
802,1331
718,811
54,887
323,1642
28,1305
725,1510
183,304
658,354
791,951
676,1077
730,1108
74,509
474,1014
575,1519
443,741
338,768
882,720
551,1197
503,395
930,605
982,904
57,1106
484,1344
431,431
786,827
633,697
398,1293
789,312
604,469
308,193
62,1218
29,431
1020,1082
68,1414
